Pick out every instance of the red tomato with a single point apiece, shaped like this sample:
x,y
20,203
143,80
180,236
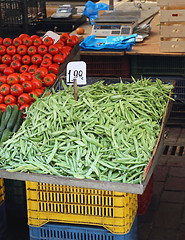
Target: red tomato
x,y
3,79
11,50
2,49
53,49
5,89
24,68
46,63
16,57
76,38
24,98
15,65
41,72
59,46
48,56
8,71
67,49
61,42
1,40
3,107
53,68
64,37
71,42
1,98
22,77
24,107
33,94
2,67
23,35
27,41
34,36
6,59
58,58
27,86
37,42
7,41
32,68
36,59
63,53
22,50
48,80
48,41
17,41
42,49
12,79
27,75
32,50
26,59
36,83
9,99
39,91
53,75
16,89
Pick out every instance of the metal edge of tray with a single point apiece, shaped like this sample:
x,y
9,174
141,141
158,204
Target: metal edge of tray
x,y
95,184
69,58
85,183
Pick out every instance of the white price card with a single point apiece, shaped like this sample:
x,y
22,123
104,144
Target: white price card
x,y
76,70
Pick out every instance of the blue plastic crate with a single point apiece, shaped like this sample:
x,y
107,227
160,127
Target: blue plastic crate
x,y
3,223
51,231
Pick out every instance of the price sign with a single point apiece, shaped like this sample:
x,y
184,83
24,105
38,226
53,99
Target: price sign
x,y
76,70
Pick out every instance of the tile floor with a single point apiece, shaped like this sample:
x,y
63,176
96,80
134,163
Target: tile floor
x,y
165,217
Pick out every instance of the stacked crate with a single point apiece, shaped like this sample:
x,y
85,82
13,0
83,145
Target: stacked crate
x,y
64,211
15,200
2,209
144,199
172,19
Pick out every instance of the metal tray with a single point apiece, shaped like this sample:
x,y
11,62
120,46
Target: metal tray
x,y
96,184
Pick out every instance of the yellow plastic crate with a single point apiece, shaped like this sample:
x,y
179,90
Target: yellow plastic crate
x,y
114,211
2,191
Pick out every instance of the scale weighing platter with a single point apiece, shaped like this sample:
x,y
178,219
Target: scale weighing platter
x,y
115,23
118,16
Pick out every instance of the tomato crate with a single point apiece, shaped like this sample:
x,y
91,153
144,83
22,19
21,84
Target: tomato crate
x,y
114,211
115,66
83,232
15,193
145,198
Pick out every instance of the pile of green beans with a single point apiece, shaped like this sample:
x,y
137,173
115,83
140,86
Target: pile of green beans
x,y
108,134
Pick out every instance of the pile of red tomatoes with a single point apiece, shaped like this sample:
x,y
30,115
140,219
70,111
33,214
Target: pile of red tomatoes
x,y
29,64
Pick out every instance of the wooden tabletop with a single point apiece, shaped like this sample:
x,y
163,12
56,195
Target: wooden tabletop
x,y
150,45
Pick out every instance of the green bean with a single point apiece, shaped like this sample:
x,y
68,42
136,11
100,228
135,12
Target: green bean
x,y
108,134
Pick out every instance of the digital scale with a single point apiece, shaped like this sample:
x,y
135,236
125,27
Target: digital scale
x,y
115,23
66,19
64,11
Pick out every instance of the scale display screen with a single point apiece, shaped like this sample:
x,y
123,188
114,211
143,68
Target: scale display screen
x,y
107,27
63,10
125,30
